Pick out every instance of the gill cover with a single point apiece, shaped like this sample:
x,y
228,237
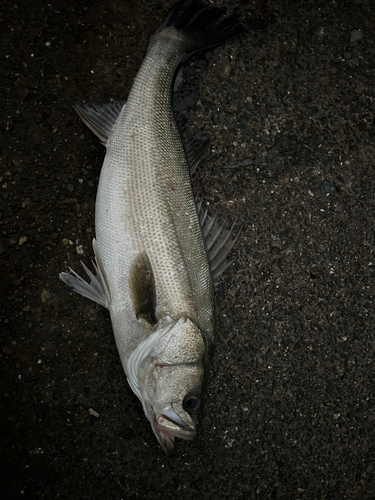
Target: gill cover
x,y
166,372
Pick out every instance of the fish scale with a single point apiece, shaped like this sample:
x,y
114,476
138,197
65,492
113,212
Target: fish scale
x,y
151,195
157,252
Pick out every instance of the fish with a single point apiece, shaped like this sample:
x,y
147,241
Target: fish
x,y
158,253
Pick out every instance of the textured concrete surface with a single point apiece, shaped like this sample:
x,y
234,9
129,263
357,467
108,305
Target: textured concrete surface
x,y
290,406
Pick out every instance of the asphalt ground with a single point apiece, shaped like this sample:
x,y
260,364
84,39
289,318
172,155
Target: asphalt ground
x,y
290,406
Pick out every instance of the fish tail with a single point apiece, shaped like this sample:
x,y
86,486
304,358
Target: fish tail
x,y
201,26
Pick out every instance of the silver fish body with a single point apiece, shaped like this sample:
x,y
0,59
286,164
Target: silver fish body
x,y
154,270
145,204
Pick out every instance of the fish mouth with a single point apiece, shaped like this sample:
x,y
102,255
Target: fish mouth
x,y
169,425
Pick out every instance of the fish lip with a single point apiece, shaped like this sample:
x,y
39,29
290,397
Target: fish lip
x,y
168,426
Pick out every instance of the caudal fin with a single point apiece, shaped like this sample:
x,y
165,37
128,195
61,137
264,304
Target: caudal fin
x,y
202,25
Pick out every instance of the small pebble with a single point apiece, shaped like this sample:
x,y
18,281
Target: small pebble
x,y
355,35
328,186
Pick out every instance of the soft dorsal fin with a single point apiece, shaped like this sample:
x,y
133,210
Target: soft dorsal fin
x,y
97,290
195,149
218,241
142,288
100,119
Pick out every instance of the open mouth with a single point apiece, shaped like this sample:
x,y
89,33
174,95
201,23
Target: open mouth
x,y
169,425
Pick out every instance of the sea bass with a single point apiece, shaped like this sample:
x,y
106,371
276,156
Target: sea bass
x,y
158,254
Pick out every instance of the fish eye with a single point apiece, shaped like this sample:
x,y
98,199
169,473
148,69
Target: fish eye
x,y
191,403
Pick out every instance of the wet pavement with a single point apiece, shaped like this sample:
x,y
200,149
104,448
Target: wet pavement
x,y
290,407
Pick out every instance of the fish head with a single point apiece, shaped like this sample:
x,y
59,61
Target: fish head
x,y
166,372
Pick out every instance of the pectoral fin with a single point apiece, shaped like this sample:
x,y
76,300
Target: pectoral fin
x,y
142,288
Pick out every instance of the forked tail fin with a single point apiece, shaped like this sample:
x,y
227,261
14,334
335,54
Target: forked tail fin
x,y
201,25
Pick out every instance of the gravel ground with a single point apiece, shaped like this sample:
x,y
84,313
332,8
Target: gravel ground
x,y
290,406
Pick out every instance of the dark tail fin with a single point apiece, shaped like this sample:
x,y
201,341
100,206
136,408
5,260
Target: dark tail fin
x,y
202,25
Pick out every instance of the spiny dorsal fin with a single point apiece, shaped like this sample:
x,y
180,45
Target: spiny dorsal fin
x,y
100,119
218,241
142,287
97,290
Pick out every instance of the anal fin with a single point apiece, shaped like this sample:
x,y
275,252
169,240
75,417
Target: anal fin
x,y
100,119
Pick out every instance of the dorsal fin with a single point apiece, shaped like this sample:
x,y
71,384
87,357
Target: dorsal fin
x,y
100,119
195,149
218,241
142,288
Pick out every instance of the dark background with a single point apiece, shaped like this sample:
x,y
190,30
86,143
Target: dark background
x,y
290,406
